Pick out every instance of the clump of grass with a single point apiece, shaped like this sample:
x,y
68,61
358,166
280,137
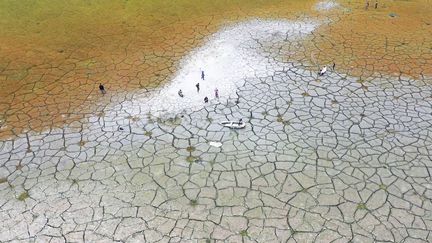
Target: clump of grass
x,y
190,149
279,118
82,143
305,94
193,202
23,196
361,206
244,233
383,187
191,159
148,133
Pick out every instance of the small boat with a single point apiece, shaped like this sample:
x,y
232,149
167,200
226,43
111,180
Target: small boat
x,y
233,124
323,71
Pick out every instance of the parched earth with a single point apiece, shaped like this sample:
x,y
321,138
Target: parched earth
x,y
339,157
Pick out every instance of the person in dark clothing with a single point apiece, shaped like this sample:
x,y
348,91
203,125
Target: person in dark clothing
x,y
180,93
240,121
376,4
334,65
102,89
205,99
197,86
202,75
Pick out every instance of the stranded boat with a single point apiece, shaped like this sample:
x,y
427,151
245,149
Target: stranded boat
x,y
233,124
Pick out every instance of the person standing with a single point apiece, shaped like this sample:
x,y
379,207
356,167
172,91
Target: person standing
x,y
180,93
102,89
205,99
202,75
197,86
376,4
217,93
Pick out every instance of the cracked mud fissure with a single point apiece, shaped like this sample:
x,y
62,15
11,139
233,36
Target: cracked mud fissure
x,y
341,157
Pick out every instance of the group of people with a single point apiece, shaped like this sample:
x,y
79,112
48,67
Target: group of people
x,y
367,4
216,91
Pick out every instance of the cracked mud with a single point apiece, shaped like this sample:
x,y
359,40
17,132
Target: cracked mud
x,y
337,157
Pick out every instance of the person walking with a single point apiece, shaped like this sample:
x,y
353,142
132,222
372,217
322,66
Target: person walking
x,y
197,86
202,75
217,93
205,99
180,93
334,65
102,89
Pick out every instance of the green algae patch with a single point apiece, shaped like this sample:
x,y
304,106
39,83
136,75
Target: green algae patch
x,y
244,233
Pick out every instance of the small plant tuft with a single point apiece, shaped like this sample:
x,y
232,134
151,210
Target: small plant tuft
x,y
193,202
23,196
361,206
190,149
148,133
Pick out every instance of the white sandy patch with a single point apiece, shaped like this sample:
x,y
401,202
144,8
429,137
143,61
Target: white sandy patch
x,y
228,57
326,5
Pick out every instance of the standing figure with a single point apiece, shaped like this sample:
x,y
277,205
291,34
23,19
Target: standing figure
x,y
334,65
180,93
197,86
217,93
102,89
240,121
202,75
205,99
367,5
376,4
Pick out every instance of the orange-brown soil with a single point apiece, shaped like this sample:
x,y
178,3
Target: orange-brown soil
x,y
54,55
